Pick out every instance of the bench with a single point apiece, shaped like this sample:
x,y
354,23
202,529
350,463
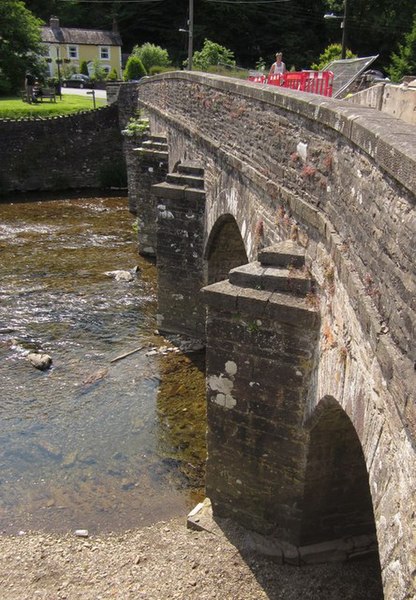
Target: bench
x,y
47,94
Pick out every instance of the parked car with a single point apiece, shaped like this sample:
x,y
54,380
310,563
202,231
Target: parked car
x,y
77,80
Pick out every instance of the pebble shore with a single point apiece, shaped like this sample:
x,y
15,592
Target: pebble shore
x,y
167,561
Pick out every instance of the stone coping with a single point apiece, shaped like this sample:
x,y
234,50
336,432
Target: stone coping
x,y
390,142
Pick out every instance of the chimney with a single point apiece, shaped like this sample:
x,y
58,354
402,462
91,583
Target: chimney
x,y
54,22
115,25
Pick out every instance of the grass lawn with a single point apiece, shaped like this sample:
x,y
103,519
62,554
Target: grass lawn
x,y
15,108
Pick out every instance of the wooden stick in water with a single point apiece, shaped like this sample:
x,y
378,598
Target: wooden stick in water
x,y
127,354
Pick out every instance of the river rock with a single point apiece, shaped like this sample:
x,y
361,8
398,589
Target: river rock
x,y
40,361
81,533
121,275
69,460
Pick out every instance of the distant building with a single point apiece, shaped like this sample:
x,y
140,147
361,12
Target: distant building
x,y
72,46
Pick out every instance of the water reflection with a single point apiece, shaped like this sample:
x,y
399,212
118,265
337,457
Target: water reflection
x,y
89,443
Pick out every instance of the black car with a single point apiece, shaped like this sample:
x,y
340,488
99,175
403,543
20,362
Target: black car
x,y
77,81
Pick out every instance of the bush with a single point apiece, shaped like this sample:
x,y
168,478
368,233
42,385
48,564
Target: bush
x,y
98,72
134,68
331,52
84,68
136,126
152,56
157,69
404,61
212,54
228,71
112,75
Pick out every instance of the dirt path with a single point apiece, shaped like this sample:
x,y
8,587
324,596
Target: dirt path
x,y
164,562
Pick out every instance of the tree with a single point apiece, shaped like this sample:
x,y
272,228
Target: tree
x,y
404,61
373,26
20,45
212,54
98,73
134,68
84,68
332,52
152,55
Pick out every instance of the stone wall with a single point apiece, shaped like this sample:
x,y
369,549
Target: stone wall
x,y
396,100
341,181
83,150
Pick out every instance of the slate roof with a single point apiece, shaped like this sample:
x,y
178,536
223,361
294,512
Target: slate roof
x,y
71,35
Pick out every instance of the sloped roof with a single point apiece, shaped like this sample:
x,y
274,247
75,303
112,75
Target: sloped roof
x,y
72,35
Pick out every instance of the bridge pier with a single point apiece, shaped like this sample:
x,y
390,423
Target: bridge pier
x,y
301,482
180,238
262,332
150,168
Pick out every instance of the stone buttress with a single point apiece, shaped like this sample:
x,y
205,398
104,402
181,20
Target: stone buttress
x,y
180,239
151,167
262,330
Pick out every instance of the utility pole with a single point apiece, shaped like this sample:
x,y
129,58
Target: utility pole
x,y
190,34
344,32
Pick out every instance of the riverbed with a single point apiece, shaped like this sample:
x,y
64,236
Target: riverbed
x,y
96,442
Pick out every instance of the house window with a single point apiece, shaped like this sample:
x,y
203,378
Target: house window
x,y
104,53
73,52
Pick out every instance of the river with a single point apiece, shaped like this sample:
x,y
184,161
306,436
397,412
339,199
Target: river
x,y
92,443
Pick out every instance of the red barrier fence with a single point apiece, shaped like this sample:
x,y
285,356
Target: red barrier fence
x,y
314,82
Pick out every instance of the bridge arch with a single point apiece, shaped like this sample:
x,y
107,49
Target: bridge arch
x,y
224,249
337,497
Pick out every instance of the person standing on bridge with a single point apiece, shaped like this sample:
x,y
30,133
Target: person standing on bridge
x,y
278,67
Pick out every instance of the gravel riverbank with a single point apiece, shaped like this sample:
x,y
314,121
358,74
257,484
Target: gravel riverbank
x,y
168,561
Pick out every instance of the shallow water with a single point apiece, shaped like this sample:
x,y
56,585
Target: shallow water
x,y
90,443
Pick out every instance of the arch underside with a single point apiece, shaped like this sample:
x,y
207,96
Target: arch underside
x,y
337,500
225,249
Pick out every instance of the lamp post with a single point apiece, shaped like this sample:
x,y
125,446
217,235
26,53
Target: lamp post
x,y
58,61
343,27
190,32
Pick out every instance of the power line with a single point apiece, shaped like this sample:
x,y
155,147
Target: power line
x,y
112,1
247,1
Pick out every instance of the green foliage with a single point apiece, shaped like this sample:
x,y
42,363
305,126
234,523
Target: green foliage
x,y
84,68
156,69
228,71
134,68
20,45
404,61
112,76
332,52
98,73
212,54
152,56
136,126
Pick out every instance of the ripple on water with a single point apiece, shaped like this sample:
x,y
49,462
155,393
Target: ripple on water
x,y
89,443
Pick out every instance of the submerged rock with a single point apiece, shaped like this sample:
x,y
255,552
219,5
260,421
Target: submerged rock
x,y
121,275
40,361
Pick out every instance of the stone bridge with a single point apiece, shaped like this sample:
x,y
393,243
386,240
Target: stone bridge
x,y
295,215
